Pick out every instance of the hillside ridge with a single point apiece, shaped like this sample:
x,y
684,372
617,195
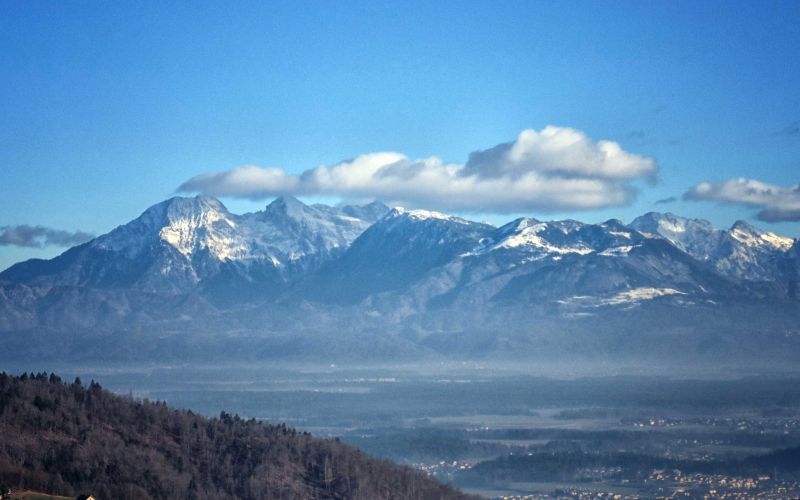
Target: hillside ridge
x,y
68,438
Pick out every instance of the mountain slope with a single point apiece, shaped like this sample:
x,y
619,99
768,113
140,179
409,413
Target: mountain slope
x,y
393,253
568,265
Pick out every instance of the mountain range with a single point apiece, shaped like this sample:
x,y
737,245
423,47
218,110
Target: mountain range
x,y
188,279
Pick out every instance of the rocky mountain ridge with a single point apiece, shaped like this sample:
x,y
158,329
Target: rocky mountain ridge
x,y
412,281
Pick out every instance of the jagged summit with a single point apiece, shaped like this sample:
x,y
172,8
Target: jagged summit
x,y
742,225
182,244
173,221
684,232
743,251
665,218
288,206
753,236
179,207
371,212
518,225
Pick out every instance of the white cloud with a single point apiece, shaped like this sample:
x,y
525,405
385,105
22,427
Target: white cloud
x,y
776,203
247,181
564,152
553,169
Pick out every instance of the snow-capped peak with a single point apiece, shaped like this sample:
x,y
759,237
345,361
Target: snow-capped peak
x,y
287,206
671,225
753,236
743,251
697,237
178,208
422,215
174,221
204,224
416,214
201,227
427,214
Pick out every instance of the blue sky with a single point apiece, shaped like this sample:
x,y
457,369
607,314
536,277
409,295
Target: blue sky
x,y
109,107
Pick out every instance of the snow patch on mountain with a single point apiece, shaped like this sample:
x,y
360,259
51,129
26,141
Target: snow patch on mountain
x,y
640,294
619,251
620,234
627,297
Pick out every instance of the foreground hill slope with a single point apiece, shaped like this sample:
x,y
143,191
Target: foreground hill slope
x,y
68,439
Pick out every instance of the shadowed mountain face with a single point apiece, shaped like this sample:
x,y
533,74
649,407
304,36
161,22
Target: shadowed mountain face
x,y
394,253
306,281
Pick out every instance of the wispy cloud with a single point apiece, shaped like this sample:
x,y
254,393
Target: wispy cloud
x,y
775,203
39,236
665,201
556,168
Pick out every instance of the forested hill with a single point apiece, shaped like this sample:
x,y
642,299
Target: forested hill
x,y
68,438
